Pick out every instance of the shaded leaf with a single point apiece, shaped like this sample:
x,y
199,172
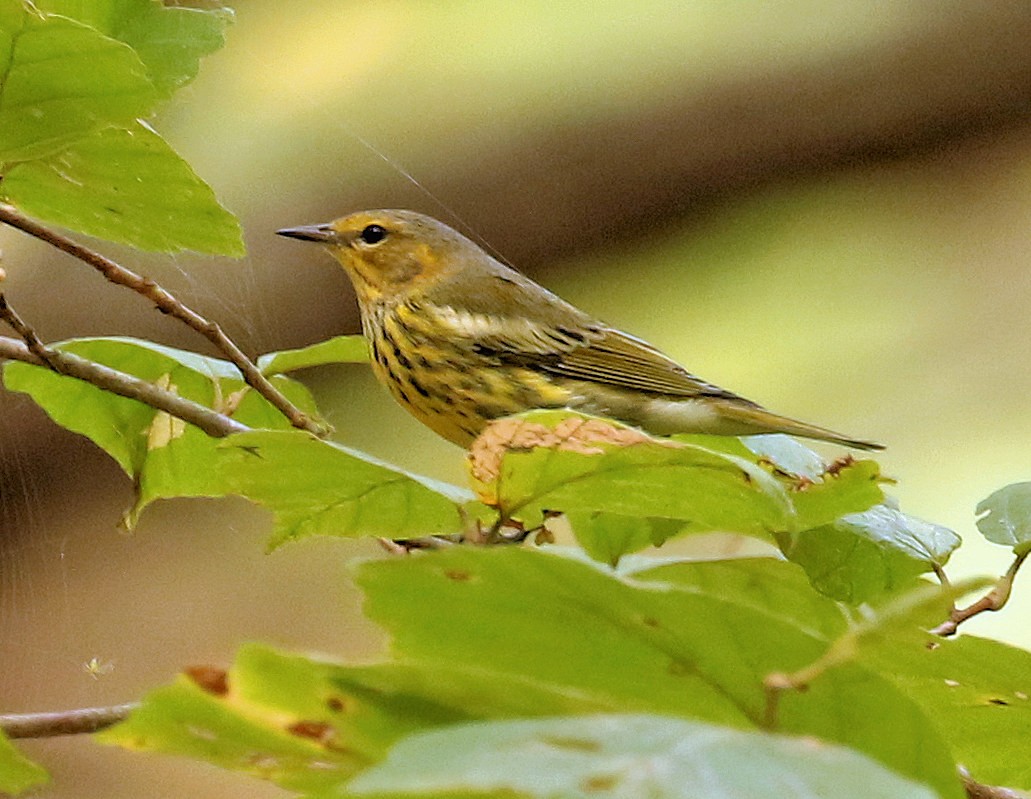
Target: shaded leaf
x,y
866,555
607,537
1006,517
63,80
339,349
17,773
628,756
318,487
127,185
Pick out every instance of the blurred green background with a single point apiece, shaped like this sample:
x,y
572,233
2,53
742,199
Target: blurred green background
x,y
824,206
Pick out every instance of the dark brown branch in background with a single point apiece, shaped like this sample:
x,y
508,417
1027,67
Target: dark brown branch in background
x,y
64,722
125,385
167,304
956,72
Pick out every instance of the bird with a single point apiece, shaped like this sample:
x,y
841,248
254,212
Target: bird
x,y
461,339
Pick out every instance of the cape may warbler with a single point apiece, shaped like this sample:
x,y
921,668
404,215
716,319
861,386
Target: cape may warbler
x,y
461,339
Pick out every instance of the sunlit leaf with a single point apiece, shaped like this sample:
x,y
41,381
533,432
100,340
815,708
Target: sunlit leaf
x,y
594,469
643,646
763,583
163,457
17,773
237,722
340,349
628,755
128,185
62,81
169,41
789,454
978,694
487,634
317,487
1006,517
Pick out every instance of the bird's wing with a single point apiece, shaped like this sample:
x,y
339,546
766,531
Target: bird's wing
x,y
618,359
542,331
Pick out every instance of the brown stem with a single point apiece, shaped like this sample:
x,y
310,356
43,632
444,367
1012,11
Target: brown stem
x,y
994,600
64,722
124,385
975,790
167,304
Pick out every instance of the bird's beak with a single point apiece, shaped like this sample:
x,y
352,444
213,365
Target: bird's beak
x,y
320,233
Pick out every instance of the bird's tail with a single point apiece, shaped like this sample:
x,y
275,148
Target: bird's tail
x,y
755,419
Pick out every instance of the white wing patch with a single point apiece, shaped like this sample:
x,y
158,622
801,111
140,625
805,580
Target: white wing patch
x,y
504,332
466,323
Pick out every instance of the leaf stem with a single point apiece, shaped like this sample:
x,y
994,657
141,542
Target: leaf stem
x,y
167,304
994,600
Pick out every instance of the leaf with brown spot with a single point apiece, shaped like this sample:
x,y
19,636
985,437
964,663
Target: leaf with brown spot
x,y
210,678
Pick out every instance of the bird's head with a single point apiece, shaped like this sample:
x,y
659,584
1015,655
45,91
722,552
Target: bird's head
x,y
389,254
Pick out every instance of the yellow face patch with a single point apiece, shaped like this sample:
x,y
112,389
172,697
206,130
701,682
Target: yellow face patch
x,y
389,264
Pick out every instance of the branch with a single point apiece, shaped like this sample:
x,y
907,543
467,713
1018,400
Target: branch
x,y
64,722
994,600
124,385
167,304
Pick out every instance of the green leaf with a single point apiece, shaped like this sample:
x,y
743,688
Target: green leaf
x,y
340,349
62,81
584,466
761,583
17,773
978,694
848,487
243,725
628,755
309,725
789,454
607,537
127,185
487,634
633,646
169,41
165,457
647,477
318,487
1006,517
866,555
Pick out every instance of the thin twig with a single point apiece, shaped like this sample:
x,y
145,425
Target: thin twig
x,y
976,790
32,341
124,385
167,304
64,722
994,600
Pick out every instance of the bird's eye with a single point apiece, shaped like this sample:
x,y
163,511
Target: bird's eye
x,y
373,234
